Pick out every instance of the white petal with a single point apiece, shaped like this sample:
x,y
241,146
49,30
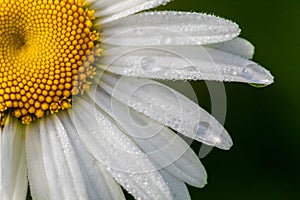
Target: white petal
x,y
123,159
54,171
168,107
168,28
161,144
237,46
36,169
183,62
115,189
110,10
178,188
13,170
99,183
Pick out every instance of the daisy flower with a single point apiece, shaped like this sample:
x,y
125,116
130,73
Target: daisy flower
x,y
83,112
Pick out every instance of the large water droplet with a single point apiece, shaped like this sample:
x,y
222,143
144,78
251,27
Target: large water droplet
x,y
209,135
201,129
148,64
258,85
257,75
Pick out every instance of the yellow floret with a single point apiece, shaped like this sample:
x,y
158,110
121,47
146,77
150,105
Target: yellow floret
x,y
47,48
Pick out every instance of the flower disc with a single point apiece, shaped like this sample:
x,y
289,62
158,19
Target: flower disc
x,y
46,52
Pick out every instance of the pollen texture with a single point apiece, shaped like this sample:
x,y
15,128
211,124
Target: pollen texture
x,y
47,49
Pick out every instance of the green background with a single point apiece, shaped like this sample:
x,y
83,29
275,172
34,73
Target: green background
x,y
264,123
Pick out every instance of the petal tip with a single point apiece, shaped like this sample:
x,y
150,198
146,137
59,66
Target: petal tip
x,y
225,141
257,75
203,183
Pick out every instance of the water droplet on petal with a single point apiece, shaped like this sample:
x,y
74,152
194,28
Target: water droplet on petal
x,y
172,64
207,133
258,85
148,64
257,75
201,129
233,71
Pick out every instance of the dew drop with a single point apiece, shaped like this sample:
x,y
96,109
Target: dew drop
x,y
233,72
201,129
258,85
172,64
148,64
257,75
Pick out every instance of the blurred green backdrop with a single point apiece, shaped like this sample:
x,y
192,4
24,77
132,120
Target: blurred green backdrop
x,y
264,123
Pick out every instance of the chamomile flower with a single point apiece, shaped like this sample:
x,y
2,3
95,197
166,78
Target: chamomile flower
x,y
82,111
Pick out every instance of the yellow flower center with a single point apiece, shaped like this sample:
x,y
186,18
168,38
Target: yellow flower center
x,y
47,48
